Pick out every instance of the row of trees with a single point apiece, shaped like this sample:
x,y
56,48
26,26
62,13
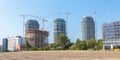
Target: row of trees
x,y
63,43
86,45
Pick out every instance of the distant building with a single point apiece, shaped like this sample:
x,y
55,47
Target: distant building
x,y
59,28
88,28
31,24
34,36
5,45
37,38
111,35
0,47
16,43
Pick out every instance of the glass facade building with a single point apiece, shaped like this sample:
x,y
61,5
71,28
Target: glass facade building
x,y
88,28
59,28
5,45
32,25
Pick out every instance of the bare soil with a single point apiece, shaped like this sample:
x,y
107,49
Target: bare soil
x,y
60,55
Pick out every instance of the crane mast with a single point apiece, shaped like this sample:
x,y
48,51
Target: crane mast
x,y
43,20
67,22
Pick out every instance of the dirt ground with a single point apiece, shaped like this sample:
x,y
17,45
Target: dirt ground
x,y
60,55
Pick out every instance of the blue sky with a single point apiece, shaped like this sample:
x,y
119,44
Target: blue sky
x,y
11,24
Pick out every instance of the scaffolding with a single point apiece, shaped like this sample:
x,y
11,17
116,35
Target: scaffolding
x,y
36,38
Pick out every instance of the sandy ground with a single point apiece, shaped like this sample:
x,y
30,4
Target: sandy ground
x,y
60,55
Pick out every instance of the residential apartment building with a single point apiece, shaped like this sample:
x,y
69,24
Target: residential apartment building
x,y
111,35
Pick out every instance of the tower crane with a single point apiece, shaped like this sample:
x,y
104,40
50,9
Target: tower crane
x,y
23,17
95,24
43,20
67,22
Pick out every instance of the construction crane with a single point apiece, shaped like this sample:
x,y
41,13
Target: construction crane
x,y
95,24
67,22
23,17
43,20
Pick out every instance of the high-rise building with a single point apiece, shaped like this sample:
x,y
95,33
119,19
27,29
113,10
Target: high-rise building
x,y
59,28
31,25
34,36
5,45
88,28
111,35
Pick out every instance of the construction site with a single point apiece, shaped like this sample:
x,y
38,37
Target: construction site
x,y
37,38
33,34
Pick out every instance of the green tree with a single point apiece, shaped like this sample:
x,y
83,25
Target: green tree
x,y
34,48
100,44
83,45
79,45
73,47
63,42
28,45
91,44
53,46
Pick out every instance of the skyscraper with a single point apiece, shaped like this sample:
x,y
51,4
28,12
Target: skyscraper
x,y
34,36
32,25
88,28
59,28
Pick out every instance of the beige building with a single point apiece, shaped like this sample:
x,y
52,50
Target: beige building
x,y
37,38
13,43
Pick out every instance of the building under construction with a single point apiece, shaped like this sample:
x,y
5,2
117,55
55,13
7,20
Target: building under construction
x,y
34,36
37,38
59,28
111,35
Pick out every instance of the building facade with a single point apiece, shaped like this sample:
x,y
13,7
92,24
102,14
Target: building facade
x,y
88,28
59,28
31,24
111,35
34,36
16,43
5,45
37,38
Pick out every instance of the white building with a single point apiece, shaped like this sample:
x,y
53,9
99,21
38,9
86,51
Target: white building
x,y
111,35
14,42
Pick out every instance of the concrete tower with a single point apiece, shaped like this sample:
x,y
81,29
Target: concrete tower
x,y
59,28
88,28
